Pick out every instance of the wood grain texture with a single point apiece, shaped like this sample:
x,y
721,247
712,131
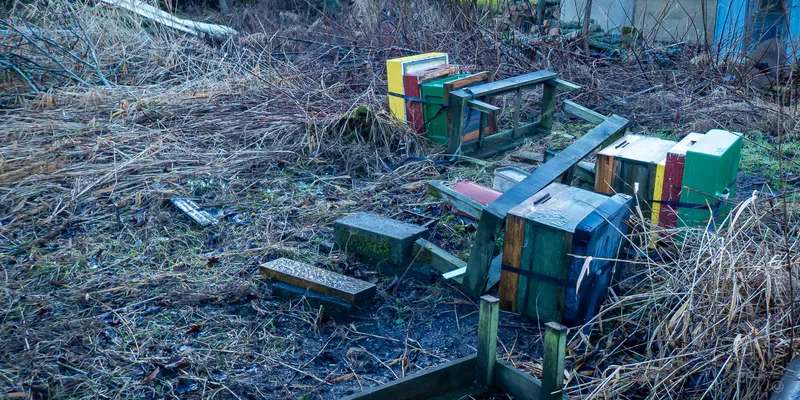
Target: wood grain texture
x,y
318,280
518,384
512,252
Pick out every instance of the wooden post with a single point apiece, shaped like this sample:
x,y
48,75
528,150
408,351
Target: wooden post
x,y
517,110
455,112
555,340
487,339
548,108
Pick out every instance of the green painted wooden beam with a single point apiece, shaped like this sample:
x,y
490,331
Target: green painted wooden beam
x,y
432,382
462,203
583,113
483,107
436,257
518,384
565,85
509,84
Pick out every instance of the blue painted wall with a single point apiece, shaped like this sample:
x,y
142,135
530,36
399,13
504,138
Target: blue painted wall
x,y
732,24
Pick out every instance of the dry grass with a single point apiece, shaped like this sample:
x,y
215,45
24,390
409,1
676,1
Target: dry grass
x,y
707,316
109,292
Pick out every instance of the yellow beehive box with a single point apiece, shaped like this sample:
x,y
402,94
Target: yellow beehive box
x,y
397,67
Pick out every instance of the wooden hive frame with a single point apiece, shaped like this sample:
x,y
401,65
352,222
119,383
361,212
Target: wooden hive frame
x,y
475,99
480,373
562,166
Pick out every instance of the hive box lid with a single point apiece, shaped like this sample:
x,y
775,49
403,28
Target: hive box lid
x,y
439,83
716,142
639,149
647,150
559,206
686,143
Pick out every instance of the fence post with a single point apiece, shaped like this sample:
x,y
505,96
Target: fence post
x,y
555,339
487,339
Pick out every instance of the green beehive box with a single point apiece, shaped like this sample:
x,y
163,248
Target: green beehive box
x,y
435,116
709,174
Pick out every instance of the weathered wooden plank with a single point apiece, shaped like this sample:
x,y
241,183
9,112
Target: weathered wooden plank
x,y
459,201
548,108
527,157
457,102
583,113
508,84
482,252
564,160
483,107
491,218
440,259
516,383
517,112
430,383
555,337
332,305
499,142
565,85
318,280
487,339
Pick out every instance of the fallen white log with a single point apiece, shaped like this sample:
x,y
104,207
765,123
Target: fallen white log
x,y
167,19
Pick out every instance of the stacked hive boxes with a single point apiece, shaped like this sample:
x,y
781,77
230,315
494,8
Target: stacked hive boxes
x,y
397,67
676,184
630,166
418,92
412,83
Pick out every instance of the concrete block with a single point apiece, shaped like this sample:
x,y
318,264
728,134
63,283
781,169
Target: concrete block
x,y
378,238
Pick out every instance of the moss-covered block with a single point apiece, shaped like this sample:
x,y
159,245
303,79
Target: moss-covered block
x,y
378,238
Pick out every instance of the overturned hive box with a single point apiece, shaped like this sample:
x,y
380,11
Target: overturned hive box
x,y
541,276
436,96
397,67
412,83
671,182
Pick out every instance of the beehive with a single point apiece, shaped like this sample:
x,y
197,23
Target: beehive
x,y
629,166
673,179
540,272
411,86
709,174
397,67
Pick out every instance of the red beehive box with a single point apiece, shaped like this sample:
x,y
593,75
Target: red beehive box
x,y
411,85
673,179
